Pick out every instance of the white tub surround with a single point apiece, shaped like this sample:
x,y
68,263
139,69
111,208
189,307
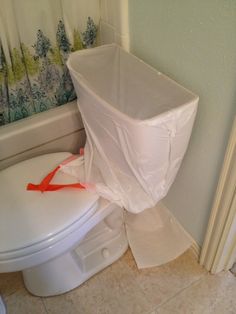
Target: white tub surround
x,y
114,25
59,129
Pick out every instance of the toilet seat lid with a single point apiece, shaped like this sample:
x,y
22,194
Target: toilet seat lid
x,y
29,217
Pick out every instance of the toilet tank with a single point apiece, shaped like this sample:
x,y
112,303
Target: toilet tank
x,y
138,123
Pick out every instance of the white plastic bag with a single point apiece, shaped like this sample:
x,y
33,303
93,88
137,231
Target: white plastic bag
x,y
138,124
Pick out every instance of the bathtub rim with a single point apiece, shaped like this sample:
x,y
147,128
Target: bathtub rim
x,y
38,129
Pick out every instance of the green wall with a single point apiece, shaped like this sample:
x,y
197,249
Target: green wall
x,y
194,42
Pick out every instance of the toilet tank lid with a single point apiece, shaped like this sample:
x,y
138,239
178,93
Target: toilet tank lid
x,y
28,217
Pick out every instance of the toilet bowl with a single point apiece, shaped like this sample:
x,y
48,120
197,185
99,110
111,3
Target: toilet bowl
x,y
57,239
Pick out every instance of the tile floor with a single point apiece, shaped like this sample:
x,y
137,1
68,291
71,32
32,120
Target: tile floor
x,y
181,287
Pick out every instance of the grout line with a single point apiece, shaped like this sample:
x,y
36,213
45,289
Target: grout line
x,y
45,308
181,291
10,294
233,269
173,296
155,307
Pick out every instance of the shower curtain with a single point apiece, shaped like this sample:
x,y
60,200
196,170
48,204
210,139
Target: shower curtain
x,y
36,38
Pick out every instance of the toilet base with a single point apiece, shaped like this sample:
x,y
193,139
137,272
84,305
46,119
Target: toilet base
x,y
100,248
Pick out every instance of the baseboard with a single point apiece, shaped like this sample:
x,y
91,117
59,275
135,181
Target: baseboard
x,y
196,249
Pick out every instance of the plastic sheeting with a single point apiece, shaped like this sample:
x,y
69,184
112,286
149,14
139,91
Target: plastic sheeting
x,y
155,236
138,124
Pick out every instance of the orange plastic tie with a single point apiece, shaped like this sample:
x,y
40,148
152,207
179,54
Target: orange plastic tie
x,y
53,187
81,151
45,183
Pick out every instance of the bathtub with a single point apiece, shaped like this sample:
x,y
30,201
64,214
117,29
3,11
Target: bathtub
x,y
59,129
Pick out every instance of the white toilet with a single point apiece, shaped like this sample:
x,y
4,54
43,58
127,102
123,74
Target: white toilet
x,y
138,124
47,235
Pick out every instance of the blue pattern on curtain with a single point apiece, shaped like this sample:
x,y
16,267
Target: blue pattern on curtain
x,y
36,78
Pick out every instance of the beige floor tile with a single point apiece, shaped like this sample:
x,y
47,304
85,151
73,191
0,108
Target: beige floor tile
x,y
63,304
113,291
161,283
213,294
120,288
10,283
21,302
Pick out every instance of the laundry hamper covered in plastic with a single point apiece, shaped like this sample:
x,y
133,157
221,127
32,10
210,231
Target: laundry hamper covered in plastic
x,y
138,124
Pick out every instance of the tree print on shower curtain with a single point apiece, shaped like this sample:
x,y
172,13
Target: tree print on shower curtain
x,y
36,78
